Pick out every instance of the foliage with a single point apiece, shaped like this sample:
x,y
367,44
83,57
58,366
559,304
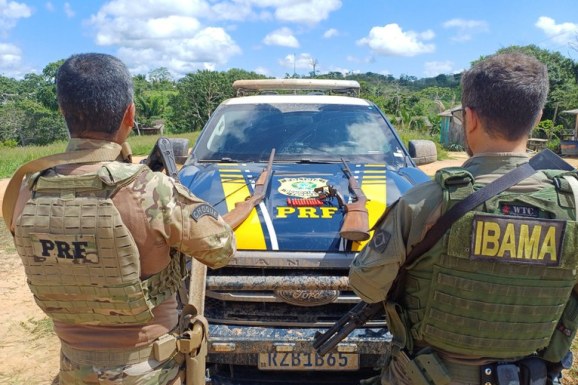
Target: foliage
x,y
547,130
30,122
29,110
198,96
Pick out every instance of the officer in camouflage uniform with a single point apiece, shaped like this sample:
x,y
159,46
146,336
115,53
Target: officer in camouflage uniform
x,y
103,241
493,301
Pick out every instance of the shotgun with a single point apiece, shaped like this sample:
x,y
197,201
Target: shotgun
x,y
353,319
162,157
356,221
242,209
192,341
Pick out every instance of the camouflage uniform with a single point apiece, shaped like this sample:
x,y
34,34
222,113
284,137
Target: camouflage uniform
x,y
161,215
373,270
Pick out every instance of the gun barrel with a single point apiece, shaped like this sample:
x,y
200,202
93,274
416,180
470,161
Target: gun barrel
x,y
353,319
242,209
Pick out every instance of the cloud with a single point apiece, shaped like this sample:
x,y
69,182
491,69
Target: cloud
x,y
332,32
309,12
262,71
10,12
11,62
466,28
163,33
68,10
390,40
305,11
302,61
10,55
49,6
559,33
282,37
434,68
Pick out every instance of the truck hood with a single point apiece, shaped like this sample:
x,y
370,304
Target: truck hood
x,y
290,218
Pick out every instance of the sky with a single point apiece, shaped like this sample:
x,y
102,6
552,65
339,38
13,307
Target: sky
x,y
421,38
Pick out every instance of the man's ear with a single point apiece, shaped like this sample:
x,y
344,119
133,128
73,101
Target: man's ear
x,y
129,114
538,119
473,120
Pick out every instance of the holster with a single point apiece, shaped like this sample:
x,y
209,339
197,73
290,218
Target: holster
x,y
528,371
193,345
424,369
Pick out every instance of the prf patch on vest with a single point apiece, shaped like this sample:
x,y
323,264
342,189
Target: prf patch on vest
x,y
64,248
202,210
517,240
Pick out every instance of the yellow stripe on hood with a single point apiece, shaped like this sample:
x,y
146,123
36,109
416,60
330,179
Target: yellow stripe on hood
x,y
249,234
373,183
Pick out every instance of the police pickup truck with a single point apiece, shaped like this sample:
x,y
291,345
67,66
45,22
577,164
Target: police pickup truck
x,y
321,159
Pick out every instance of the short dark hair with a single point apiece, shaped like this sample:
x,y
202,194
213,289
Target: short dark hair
x,y
508,92
94,91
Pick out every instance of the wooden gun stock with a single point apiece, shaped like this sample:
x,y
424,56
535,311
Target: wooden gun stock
x,y
356,221
235,217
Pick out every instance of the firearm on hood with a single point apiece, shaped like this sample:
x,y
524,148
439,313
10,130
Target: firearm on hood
x,y
356,221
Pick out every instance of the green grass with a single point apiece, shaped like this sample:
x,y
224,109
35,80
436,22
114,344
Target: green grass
x,y
14,157
38,328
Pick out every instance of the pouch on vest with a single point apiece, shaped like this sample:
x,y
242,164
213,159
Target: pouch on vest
x,y
564,334
81,261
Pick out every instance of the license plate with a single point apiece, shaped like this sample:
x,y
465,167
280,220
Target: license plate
x,y
308,361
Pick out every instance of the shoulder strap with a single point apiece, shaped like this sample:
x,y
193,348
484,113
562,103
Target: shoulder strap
x,y
82,156
542,161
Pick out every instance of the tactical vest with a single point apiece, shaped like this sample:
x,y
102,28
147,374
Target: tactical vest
x,y
497,283
81,261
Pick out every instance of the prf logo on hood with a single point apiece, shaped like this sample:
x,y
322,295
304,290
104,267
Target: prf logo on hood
x,y
301,187
517,240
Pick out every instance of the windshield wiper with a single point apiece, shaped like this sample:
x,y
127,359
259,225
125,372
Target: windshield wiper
x,y
222,160
315,161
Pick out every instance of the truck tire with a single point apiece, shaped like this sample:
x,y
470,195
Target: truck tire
x,y
180,149
422,151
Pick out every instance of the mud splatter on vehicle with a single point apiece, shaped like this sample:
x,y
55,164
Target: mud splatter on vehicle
x,y
288,279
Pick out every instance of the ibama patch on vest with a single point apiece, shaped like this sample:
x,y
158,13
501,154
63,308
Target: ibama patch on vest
x,y
64,248
517,240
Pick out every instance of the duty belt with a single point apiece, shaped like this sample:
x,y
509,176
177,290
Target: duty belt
x,y
160,350
428,369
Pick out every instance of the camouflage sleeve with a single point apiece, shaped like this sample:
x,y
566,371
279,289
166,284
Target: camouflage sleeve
x,y
374,269
188,223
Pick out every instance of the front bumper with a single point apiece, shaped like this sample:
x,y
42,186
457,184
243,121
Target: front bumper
x,y
241,345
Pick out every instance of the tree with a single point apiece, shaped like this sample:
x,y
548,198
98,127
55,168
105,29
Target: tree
x,y
199,94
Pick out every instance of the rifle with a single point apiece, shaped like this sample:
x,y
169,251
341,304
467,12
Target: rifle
x,y
356,317
192,341
356,221
162,157
242,209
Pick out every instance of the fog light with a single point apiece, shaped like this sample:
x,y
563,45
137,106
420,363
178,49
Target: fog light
x,y
223,347
347,348
284,347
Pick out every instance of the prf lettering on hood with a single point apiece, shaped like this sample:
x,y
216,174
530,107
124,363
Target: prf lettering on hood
x,y
517,240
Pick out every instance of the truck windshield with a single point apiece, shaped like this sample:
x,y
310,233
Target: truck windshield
x,y
298,132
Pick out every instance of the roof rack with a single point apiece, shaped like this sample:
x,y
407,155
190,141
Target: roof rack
x,y
350,87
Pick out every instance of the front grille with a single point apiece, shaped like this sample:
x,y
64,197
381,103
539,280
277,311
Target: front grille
x,y
256,303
